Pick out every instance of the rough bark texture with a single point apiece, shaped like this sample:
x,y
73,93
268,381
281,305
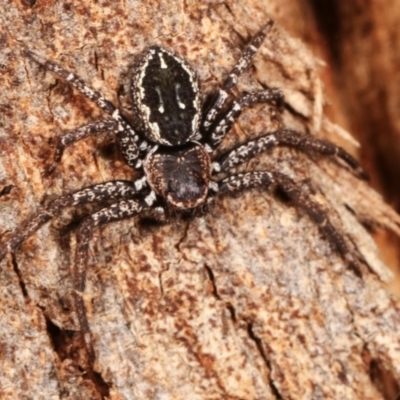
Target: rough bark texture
x,y
245,302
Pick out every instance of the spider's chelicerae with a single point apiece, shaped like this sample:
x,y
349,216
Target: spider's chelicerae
x,y
174,154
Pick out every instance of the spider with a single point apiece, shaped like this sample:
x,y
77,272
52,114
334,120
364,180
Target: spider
x,y
173,155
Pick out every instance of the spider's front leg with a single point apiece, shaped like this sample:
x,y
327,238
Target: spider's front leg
x,y
67,139
126,135
121,210
225,124
298,196
101,192
230,82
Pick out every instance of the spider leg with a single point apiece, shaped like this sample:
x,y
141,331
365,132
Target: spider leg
x,y
100,192
243,63
121,210
127,144
80,133
298,196
289,138
126,135
244,100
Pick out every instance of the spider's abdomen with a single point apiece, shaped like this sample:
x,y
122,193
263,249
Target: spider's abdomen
x,y
181,176
166,96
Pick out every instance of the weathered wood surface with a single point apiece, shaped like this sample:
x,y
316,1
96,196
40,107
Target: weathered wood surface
x,y
246,302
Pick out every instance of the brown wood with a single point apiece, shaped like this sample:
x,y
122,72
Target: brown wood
x,y
246,302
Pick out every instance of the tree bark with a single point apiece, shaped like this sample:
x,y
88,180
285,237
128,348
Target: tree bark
x,y
247,301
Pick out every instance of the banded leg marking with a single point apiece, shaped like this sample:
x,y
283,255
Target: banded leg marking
x,y
74,80
80,133
127,144
121,210
100,192
130,151
243,101
290,138
243,63
298,196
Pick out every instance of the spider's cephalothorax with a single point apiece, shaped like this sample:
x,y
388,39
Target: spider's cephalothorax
x,y
166,97
174,156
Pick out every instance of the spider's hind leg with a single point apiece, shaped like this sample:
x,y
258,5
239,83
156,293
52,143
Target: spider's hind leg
x,y
101,192
300,197
121,210
288,138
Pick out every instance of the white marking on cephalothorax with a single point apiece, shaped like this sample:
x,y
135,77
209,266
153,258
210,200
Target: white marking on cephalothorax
x,y
163,65
196,101
141,92
178,99
161,107
154,129
70,77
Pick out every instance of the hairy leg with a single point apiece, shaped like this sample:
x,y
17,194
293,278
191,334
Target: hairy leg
x,y
125,133
289,138
121,210
298,196
245,100
101,192
230,82
80,133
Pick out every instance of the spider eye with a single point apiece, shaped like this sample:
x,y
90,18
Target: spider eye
x,y
166,96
